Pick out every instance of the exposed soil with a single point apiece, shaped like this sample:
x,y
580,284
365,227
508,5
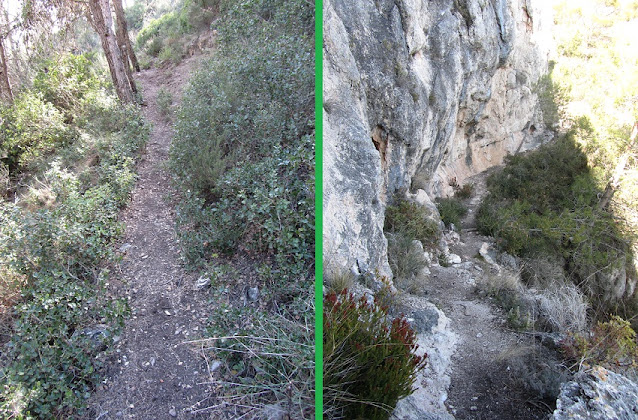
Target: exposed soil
x,y
154,373
483,384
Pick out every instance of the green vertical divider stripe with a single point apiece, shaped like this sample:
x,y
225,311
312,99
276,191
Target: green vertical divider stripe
x,y
318,209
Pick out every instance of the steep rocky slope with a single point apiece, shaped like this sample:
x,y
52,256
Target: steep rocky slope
x,y
417,94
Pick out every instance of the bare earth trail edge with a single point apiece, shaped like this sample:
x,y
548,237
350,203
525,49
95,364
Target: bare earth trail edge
x,y
154,372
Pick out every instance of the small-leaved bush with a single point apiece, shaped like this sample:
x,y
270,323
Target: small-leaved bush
x,y
611,344
243,160
164,102
411,220
451,210
165,36
369,358
406,261
405,223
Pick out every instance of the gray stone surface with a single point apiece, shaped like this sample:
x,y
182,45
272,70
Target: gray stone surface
x,y
417,93
434,337
598,395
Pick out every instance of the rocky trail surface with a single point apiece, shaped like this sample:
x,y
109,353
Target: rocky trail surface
x,y
469,343
154,372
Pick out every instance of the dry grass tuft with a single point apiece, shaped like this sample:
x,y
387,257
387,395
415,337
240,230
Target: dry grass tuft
x,y
564,308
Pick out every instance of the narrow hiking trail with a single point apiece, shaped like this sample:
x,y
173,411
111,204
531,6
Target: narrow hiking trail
x,y
474,355
483,384
154,373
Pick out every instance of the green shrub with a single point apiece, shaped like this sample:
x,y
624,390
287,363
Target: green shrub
x,y
611,344
369,362
164,102
451,210
412,221
464,192
57,256
68,82
155,47
135,15
406,261
164,36
546,203
261,206
30,128
243,160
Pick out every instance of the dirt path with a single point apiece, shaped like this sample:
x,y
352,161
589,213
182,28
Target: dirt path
x,y
474,356
483,384
153,374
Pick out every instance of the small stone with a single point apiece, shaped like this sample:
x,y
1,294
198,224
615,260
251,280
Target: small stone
x,y
479,335
214,366
125,247
202,283
473,408
454,259
253,293
172,412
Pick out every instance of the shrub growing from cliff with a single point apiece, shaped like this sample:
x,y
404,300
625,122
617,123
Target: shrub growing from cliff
x,y
411,220
369,359
451,210
611,344
406,222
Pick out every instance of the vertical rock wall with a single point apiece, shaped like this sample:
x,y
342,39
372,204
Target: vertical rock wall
x,y
418,93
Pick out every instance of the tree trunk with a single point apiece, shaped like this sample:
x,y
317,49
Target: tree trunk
x,y
6,93
614,182
122,35
5,86
101,14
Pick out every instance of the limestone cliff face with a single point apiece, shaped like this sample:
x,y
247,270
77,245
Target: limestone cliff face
x,y
418,93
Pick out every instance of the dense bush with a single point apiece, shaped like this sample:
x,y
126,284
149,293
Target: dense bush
x,y
545,203
412,221
167,32
611,344
404,223
451,210
243,156
30,128
69,83
406,261
369,359
243,146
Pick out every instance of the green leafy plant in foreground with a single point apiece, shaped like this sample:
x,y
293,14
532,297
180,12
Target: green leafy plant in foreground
x,y
369,358
63,319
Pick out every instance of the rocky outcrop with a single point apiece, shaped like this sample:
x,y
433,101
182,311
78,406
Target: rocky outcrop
x,y
598,395
418,93
436,339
